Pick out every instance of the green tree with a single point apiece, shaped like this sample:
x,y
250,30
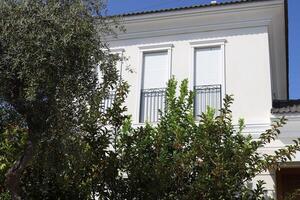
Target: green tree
x,y
49,50
180,158
13,135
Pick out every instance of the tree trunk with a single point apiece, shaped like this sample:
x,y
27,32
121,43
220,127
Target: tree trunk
x,y
13,175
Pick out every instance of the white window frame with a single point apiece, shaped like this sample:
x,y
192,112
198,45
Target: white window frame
x,y
208,44
121,52
150,49
114,51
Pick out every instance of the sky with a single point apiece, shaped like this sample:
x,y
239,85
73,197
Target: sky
x,y
125,6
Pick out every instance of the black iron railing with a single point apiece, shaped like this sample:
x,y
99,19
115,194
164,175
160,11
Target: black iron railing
x,y
152,100
108,101
207,95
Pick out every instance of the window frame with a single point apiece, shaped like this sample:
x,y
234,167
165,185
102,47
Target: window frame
x,y
208,44
120,52
142,51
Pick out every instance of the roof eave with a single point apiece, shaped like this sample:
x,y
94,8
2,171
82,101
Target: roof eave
x,y
221,4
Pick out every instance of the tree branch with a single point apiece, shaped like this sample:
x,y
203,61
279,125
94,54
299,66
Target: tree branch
x,y
13,175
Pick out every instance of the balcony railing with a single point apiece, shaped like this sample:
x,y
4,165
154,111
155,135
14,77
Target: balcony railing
x,y
108,101
152,100
207,95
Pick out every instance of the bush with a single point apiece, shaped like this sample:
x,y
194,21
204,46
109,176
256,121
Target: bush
x,y
180,158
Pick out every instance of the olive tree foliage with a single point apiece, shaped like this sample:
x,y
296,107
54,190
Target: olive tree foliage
x,y
180,158
13,134
58,145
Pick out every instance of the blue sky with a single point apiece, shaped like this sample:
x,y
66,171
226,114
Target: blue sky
x,y
125,6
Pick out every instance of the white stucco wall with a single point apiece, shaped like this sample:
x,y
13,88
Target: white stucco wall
x,y
247,68
254,35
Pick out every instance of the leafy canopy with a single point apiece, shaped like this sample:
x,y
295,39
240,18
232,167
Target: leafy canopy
x,y
49,50
180,158
56,143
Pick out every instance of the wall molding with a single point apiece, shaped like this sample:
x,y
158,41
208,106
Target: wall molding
x,y
191,29
156,47
117,50
205,43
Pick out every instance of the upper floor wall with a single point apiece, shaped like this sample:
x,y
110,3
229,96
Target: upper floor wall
x,y
252,42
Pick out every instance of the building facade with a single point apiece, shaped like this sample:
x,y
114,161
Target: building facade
x,y
237,48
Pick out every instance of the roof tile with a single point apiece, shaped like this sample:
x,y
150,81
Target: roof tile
x,y
188,7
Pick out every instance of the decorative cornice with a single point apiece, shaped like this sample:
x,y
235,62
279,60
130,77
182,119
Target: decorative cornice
x,y
117,50
192,29
155,46
208,42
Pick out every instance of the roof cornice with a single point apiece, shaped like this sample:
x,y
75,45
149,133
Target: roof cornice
x,y
196,9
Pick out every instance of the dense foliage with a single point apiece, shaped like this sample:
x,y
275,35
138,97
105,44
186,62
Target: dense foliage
x,y
58,146
13,134
57,142
180,158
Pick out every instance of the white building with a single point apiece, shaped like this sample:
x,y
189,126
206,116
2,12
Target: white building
x,y
235,48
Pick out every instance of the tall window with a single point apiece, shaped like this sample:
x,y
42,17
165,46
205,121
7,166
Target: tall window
x,y
155,77
108,101
208,78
